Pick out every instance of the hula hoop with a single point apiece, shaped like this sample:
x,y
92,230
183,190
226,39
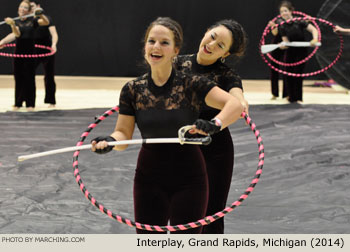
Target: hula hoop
x,y
315,72
267,30
14,55
205,221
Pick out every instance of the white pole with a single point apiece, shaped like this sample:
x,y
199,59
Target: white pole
x,y
19,17
124,142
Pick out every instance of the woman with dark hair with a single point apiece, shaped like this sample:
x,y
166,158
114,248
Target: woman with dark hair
x,y
294,31
224,38
24,68
170,183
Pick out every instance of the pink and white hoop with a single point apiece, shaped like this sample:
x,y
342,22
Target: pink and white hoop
x,y
267,30
341,41
40,55
205,221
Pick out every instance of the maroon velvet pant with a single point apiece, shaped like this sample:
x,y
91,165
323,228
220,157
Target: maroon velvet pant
x,y
219,158
170,186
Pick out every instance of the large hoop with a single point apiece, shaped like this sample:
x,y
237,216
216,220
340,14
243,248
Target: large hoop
x,y
205,221
315,72
267,30
40,55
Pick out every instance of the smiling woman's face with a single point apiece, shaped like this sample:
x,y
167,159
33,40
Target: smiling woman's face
x,y
160,46
215,44
23,9
286,14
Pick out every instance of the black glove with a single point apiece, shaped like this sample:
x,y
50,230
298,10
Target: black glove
x,y
208,127
38,11
104,138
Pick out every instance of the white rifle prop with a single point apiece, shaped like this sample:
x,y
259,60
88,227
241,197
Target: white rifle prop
x,y
271,47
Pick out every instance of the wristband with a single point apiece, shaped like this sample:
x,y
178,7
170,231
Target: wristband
x,y
217,122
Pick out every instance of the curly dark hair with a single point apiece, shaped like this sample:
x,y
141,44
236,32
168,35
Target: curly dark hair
x,y
239,36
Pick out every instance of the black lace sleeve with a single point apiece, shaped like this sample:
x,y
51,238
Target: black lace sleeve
x,y
201,87
224,76
126,100
231,80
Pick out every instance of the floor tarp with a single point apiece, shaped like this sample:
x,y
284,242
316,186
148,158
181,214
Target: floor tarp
x,y
304,186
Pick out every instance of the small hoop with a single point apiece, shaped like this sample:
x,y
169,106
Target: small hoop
x,y
341,41
267,30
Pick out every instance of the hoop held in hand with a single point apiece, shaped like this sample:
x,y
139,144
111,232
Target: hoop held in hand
x,y
205,221
267,30
341,45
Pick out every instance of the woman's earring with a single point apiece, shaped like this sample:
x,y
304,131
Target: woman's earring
x,y
222,60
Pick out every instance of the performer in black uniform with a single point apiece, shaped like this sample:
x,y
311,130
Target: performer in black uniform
x,y
170,183
294,31
277,54
24,68
47,35
224,38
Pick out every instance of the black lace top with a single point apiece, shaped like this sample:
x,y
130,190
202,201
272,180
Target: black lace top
x,y
224,76
294,30
25,42
161,111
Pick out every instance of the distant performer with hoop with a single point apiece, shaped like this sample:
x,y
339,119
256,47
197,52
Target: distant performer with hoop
x,y
294,31
47,36
24,68
171,181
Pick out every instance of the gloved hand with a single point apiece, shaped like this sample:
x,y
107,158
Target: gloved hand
x,y
103,138
38,11
208,127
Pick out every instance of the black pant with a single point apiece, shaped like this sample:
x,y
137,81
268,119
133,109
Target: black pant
x,y
49,77
219,159
274,75
24,73
295,84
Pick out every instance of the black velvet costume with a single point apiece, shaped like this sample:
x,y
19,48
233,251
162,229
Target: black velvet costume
x,y
219,155
24,68
43,37
170,182
295,31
